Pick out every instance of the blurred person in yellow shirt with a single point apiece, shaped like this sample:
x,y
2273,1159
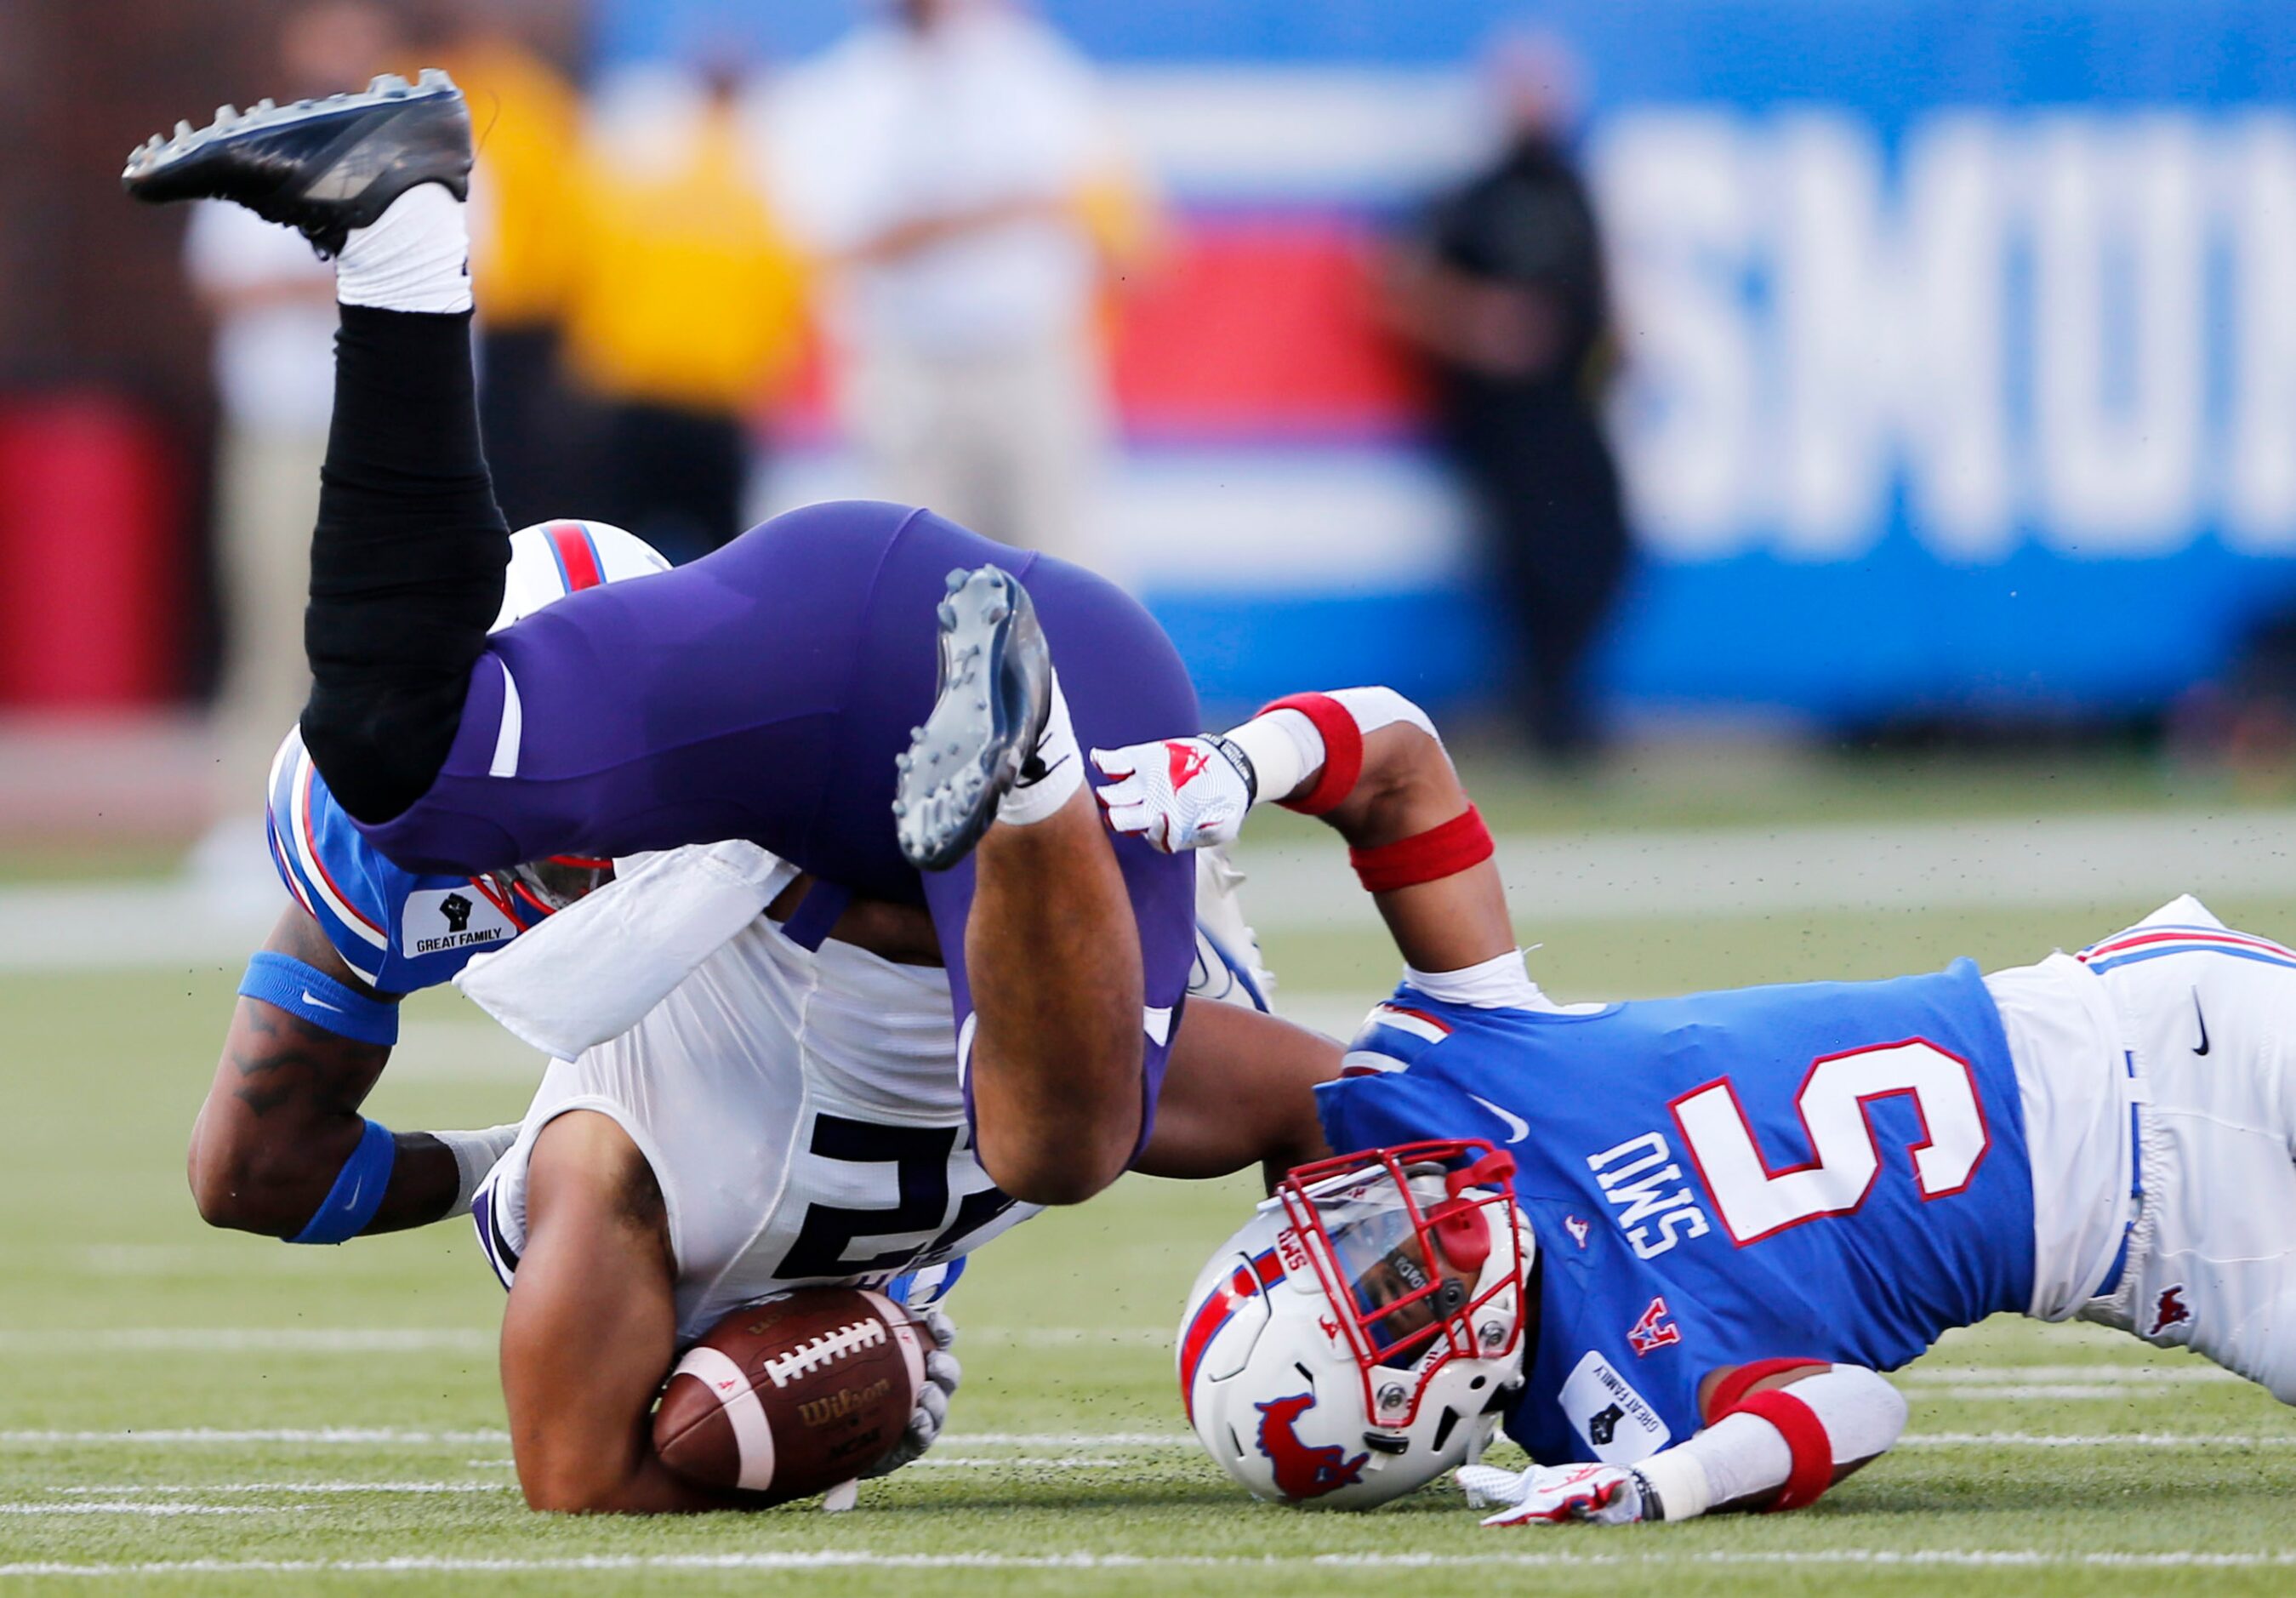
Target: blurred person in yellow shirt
x,y
527,116
686,307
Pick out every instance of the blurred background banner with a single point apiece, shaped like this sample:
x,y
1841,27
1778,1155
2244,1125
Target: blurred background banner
x,y
1950,363
1958,345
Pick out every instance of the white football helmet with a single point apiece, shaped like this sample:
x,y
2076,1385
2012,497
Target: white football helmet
x,y
552,559
1354,1339
547,562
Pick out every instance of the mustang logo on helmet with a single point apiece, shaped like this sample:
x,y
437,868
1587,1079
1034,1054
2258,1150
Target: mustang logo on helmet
x,y
1301,1472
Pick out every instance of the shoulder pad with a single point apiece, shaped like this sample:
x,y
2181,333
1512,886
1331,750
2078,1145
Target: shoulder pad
x,y
398,931
1394,1036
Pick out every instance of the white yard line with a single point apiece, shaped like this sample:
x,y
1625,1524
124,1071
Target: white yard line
x,y
2047,1392
253,1340
283,1488
2109,862
204,1437
1082,1561
2006,1383
1061,1444
2020,1375
2058,862
2103,1439
360,1437
83,1507
1066,1337
1068,1442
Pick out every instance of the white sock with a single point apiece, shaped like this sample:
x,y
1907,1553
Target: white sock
x,y
415,257
1063,764
475,1154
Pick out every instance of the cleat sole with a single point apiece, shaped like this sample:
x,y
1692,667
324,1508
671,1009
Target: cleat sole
x,y
969,751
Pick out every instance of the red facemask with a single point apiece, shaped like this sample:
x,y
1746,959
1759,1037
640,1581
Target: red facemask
x,y
1403,1263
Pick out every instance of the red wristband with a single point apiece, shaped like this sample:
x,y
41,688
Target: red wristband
x,y
1342,751
1731,1390
1429,856
1811,1451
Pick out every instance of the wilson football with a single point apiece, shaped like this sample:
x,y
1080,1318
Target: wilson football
x,y
794,1395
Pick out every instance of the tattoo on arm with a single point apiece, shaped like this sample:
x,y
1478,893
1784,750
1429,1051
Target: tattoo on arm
x,y
286,1063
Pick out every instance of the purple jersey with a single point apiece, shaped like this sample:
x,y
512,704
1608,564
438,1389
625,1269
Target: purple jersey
x,y
763,692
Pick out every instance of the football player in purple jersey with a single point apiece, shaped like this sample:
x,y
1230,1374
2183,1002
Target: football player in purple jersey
x,y
791,691
1670,1244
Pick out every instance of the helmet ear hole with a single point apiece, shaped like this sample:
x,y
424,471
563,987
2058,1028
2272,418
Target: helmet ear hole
x,y
1444,1428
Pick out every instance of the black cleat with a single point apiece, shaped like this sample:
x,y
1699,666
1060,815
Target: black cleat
x,y
996,695
323,167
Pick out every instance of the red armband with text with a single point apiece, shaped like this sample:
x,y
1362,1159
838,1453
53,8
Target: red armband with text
x,y
1428,856
1344,751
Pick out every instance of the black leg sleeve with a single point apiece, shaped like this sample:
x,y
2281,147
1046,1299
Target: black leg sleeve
x,y
406,561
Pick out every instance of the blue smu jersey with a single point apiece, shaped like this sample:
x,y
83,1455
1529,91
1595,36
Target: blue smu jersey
x,y
400,930
1830,1170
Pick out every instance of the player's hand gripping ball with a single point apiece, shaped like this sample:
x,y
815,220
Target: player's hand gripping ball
x,y
795,1396
1179,794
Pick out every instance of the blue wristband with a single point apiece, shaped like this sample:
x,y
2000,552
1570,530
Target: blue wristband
x,y
311,993
929,1285
358,1193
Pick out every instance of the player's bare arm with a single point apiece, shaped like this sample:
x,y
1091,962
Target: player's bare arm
x,y
1240,1093
1368,763
1057,991
282,1117
591,1329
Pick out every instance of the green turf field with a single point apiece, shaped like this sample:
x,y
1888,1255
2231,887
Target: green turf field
x,y
192,1412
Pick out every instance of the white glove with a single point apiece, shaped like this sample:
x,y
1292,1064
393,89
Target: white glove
x,y
1180,794
942,1374
1605,1494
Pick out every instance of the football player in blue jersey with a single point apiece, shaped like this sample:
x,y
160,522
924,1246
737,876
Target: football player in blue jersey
x,y
1670,1245
280,1146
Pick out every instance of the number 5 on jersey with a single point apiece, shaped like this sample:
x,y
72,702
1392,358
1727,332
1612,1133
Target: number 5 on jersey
x,y
1754,1200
